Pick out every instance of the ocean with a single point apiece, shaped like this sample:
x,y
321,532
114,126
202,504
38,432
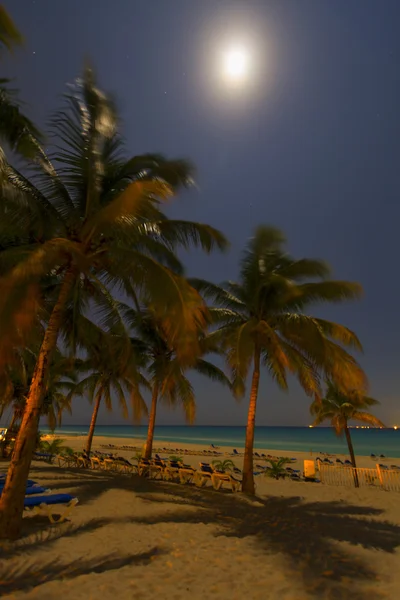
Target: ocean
x,y
318,439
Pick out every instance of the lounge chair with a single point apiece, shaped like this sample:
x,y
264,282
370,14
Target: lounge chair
x,y
43,505
186,473
203,475
173,469
29,482
30,490
143,466
218,479
157,467
124,465
66,460
35,489
235,451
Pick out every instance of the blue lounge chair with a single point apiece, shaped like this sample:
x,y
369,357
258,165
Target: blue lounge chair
x,y
35,489
30,490
235,451
28,483
43,505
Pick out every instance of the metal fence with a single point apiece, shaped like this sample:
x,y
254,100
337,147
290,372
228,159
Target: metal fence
x,y
387,479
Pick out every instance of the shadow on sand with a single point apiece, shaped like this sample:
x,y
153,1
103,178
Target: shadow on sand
x,y
304,532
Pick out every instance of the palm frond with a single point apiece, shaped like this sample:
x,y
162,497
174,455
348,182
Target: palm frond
x,y
9,34
217,294
241,348
186,234
365,417
204,367
324,291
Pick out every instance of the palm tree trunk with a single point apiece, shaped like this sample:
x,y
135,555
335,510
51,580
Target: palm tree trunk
x,y
93,422
152,422
248,477
352,456
12,498
13,420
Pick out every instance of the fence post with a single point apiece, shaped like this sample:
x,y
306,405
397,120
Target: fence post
x,y
378,470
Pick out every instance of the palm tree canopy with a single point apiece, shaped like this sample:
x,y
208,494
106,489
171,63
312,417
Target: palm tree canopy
x,y
16,380
340,408
163,363
15,127
111,369
9,34
90,213
264,310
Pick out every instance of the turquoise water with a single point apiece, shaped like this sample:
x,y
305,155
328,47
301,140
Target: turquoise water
x,y
319,439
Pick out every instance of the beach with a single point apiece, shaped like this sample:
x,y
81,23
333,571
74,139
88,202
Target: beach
x,y
131,537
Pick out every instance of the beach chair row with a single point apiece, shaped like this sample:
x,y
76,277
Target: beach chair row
x,y
158,468
96,460
169,470
41,501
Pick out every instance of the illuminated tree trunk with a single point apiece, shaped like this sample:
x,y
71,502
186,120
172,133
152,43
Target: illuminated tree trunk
x,y
152,423
12,498
93,422
13,420
352,455
248,477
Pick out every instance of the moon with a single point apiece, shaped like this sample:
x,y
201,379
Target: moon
x,y
236,64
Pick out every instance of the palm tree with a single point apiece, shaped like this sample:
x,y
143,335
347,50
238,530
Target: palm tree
x,y
55,401
166,371
95,225
340,408
15,128
277,468
113,369
261,322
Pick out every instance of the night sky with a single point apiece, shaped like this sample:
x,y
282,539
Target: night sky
x,y
310,143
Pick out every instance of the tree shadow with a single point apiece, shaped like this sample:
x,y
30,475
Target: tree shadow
x,y
305,532
31,574
308,534
37,531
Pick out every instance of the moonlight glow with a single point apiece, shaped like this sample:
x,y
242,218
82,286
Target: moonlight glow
x,y
236,64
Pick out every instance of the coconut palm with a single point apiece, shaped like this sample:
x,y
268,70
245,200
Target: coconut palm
x,y
112,370
94,224
340,408
18,379
166,371
261,323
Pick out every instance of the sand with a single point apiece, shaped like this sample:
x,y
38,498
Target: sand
x,y
131,537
